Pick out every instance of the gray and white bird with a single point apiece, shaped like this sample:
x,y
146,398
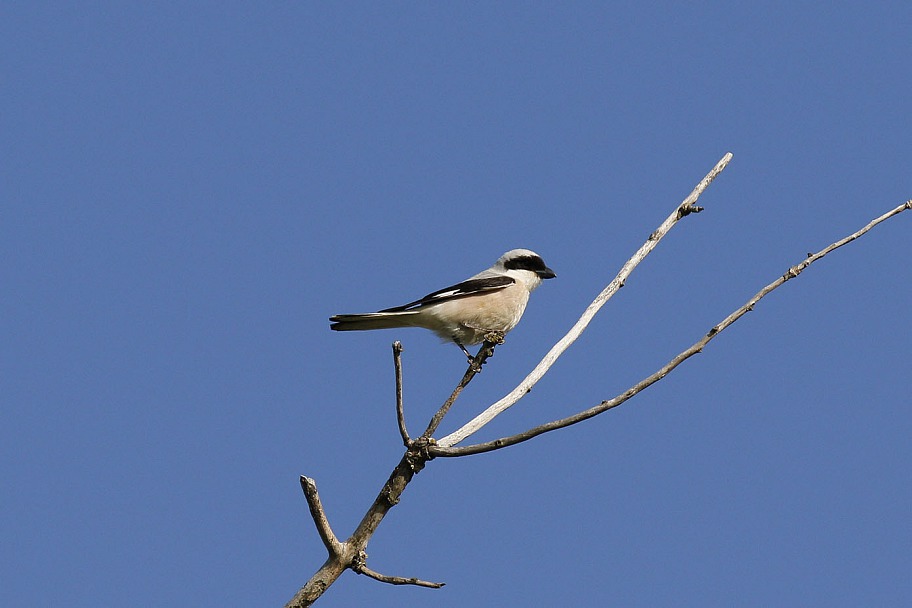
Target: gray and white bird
x,y
492,300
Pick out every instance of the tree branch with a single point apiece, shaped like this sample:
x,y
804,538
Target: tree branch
x,y
400,412
697,347
339,554
687,207
332,544
359,565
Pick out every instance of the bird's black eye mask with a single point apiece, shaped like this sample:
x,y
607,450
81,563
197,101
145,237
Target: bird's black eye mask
x,y
529,262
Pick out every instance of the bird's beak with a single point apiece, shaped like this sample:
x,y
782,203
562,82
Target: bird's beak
x,y
547,273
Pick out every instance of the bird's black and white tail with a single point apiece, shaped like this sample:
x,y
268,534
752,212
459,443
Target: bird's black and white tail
x,y
372,320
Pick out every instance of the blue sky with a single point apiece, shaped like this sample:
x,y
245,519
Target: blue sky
x,y
189,191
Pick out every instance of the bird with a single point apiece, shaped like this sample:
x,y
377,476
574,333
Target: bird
x,y
491,301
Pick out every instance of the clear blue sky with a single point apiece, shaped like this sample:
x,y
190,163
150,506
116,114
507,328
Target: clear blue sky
x,y
190,190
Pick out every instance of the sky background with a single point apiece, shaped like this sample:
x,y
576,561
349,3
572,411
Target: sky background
x,y
190,190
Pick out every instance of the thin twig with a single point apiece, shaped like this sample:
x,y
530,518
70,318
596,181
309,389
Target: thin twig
x,y
359,566
685,208
329,539
484,353
604,406
400,412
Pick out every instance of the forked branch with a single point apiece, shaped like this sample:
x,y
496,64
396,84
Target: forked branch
x,y
604,406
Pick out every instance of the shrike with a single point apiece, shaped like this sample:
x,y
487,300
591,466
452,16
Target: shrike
x,y
492,300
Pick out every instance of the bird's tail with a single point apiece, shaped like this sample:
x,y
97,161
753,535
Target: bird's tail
x,y
372,320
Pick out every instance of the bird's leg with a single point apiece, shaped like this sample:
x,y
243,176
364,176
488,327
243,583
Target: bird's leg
x,y
467,353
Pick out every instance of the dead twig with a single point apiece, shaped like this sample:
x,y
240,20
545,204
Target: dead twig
x,y
329,539
400,411
359,565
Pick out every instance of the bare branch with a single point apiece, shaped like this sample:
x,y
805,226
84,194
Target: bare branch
x,y
339,554
329,539
400,412
359,566
604,406
687,207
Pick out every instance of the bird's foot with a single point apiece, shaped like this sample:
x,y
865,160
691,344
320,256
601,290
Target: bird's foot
x,y
494,337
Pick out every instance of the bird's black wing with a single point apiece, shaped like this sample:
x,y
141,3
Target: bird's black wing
x,y
460,290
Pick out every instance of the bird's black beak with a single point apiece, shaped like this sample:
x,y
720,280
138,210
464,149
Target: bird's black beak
x,y
547,273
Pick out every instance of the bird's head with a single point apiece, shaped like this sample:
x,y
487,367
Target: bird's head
x,y
526,266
